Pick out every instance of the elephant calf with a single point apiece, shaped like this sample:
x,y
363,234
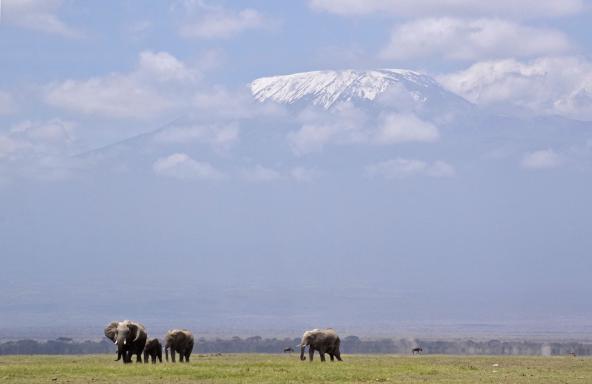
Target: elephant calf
x,y
322,340
153,349
181,341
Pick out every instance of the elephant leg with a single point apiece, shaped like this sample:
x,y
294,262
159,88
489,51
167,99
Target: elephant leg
x,y
332,357
181,355
322,353
138,357
159,355
187,354
145,357
310,353
338,355
172,355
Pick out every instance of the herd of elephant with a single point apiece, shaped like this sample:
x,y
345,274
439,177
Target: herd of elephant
x,y
131,339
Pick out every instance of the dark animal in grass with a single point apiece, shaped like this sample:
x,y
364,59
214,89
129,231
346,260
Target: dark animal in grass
x,y
288,350
180,341
153,349
416,350
130,338
322,340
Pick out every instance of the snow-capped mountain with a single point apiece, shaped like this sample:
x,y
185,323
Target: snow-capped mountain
x,y
326,88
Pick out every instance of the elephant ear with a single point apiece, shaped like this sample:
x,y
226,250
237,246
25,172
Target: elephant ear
x,y
133,328
111,331
136,330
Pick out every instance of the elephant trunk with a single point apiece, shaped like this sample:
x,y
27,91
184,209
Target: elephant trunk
x,y
302,347
166,353
121,341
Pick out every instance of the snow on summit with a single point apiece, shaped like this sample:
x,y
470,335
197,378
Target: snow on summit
x,y
324,88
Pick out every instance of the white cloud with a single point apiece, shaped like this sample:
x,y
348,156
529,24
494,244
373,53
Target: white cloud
x,y
38,15
541,159
55,131
10,146
260,174
111,96
398,128
213,22
159,83
164,67
343,124
7,104
38,150
557,85
461,39
440,169
219,136
311,138
346,124
402,168
420,8
226,103
305,175
181,166
139,29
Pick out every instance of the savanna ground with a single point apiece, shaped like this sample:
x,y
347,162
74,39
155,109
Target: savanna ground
x,y
253,368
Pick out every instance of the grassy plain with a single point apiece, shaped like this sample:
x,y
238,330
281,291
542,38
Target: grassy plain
x,y
254,368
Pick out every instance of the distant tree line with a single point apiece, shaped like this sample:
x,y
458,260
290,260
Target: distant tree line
x,y
349,344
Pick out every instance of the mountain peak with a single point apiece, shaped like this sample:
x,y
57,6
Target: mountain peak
x,y
325,88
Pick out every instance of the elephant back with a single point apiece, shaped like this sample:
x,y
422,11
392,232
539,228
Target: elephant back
x,y
153,344
326,335
179,336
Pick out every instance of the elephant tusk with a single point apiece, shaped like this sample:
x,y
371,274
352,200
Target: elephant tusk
x,y
115,342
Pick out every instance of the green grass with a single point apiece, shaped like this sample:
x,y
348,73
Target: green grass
x,y
243,368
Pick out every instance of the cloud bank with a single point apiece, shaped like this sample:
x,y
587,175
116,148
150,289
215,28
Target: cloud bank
x,y
419,8
554,85
462,39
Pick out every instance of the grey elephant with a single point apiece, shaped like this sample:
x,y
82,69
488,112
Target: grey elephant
x,y
180,341
153,349
322,340
130,338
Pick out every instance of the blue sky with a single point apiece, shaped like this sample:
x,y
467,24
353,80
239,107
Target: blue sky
x,y
453,210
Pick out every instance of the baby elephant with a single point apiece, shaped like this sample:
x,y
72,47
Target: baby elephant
x,y
181,341
153,349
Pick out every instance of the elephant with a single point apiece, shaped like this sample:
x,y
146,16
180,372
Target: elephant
x,y
181,341
322,340
153,349
130,338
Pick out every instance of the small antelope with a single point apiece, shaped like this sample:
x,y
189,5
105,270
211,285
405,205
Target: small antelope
x,y
288,350
416,350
